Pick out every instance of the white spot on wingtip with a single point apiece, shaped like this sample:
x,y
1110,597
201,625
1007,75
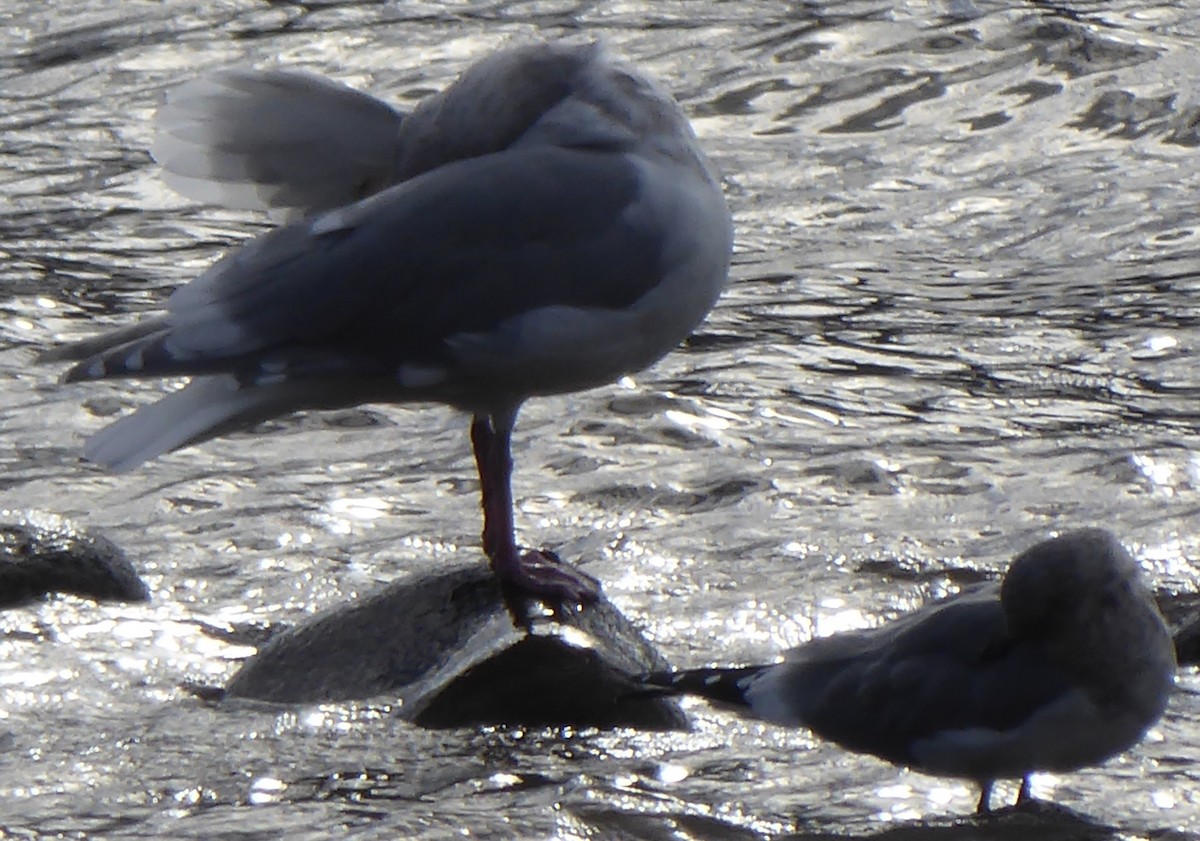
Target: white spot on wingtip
x,y
712,680
135,361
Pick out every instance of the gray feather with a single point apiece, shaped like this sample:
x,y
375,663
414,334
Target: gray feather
x,y
274,140
372,281
206,408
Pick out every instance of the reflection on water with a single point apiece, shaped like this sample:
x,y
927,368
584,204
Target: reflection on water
x,y
964,315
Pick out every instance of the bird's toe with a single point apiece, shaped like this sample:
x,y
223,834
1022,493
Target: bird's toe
x,y
542,574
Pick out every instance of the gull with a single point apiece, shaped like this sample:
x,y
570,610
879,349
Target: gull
x,y
1064,663
546,224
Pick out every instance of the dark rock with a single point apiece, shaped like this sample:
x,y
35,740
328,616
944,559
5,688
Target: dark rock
x,y
1182,612
1187,641
448,647
42,554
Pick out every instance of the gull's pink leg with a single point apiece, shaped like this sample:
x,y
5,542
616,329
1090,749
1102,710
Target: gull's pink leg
x,y
482,442
985,797
538,572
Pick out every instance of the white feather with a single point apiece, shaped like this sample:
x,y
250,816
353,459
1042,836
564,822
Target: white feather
x,y
187,415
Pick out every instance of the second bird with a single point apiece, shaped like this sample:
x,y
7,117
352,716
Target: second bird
x,y
1063,664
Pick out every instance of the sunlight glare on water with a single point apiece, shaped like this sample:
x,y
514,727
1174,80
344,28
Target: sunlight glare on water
x,y
963,316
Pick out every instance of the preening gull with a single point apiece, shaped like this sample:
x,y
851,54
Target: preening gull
x,y
546,224
1063,664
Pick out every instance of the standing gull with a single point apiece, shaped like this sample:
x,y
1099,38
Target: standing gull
x,y
1063,664
545,225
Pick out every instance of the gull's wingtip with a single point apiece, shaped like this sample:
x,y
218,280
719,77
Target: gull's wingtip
x,y
58,353
721,685
662,683
647,685
82,370
78,351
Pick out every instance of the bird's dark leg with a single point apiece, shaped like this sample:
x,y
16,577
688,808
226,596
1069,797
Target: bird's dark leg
x,y
985,798
482,445
537,572
1025,792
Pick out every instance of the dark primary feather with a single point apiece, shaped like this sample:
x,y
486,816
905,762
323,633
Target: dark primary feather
x,y
719,685
105,341
370,285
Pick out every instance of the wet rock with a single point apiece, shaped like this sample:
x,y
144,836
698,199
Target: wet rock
x,y
1182,612
42,554
1187,642
449,647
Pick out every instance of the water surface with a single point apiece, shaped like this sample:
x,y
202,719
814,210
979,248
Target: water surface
x,y
963,316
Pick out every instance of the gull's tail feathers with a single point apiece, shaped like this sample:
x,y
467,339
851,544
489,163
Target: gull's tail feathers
x,y
206,408
725,686
286,142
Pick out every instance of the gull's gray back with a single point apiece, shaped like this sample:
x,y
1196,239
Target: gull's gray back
x,y
948,666
403,249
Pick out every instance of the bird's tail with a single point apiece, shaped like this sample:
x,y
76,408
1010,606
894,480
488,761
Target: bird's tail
x,y
720,685
291,143
205,408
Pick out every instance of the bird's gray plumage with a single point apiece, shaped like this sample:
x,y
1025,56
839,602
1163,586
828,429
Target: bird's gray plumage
x,y
1062,665
368,284
551,227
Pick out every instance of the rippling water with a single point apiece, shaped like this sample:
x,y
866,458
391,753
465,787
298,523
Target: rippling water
x,y
964,314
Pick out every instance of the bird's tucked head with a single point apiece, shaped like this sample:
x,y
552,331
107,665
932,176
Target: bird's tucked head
x,y
1076,578
567,95
1082,597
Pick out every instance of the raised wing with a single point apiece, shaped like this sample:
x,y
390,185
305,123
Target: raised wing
x,y
288,142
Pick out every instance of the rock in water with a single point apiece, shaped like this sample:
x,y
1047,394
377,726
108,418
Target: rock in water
x,y
43,553
447,645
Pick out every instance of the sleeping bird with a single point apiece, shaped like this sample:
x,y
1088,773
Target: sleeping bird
x,y
1061,665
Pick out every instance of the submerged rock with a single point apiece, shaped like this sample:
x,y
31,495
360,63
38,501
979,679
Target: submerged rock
x,y
448,647
41,554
